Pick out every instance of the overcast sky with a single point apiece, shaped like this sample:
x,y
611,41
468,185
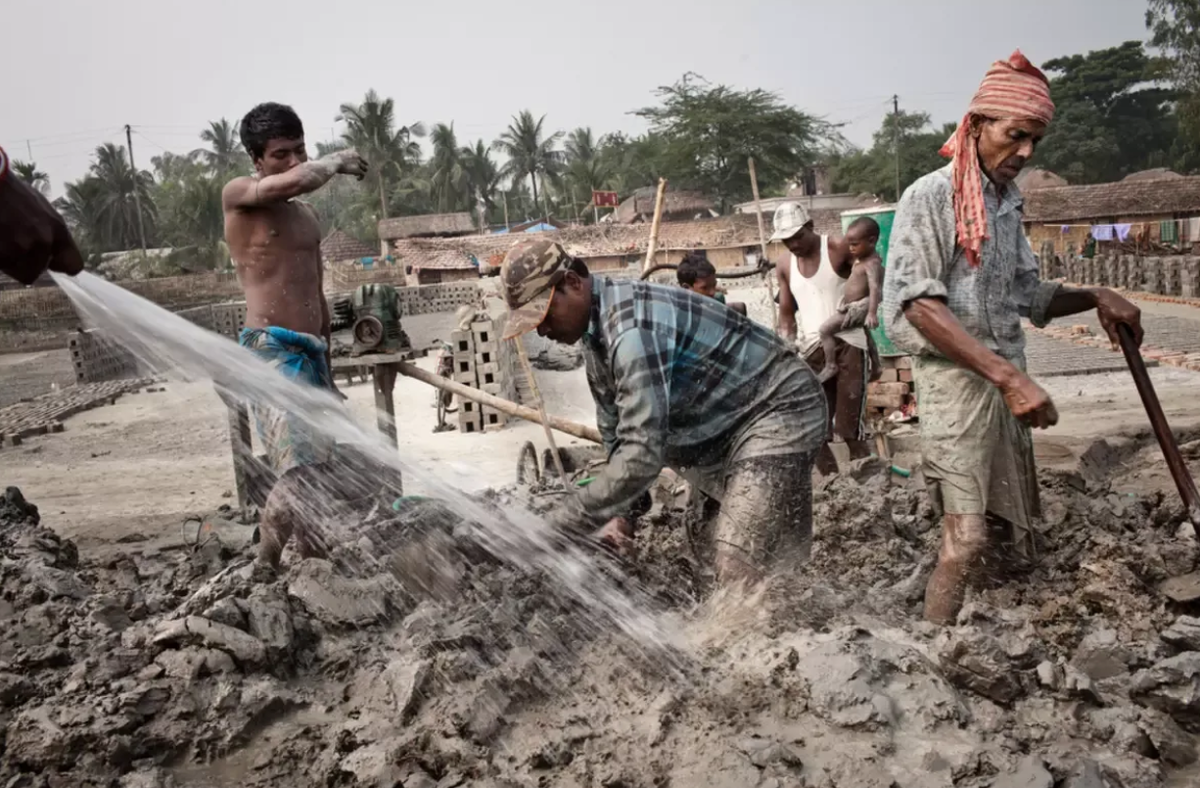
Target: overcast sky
x,y
76,71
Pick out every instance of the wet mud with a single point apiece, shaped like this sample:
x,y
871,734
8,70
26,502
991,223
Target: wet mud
x,y
413,657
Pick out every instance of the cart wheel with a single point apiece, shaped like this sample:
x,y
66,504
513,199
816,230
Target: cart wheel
x,y
527,465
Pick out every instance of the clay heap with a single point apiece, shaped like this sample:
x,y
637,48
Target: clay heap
x,y
414,658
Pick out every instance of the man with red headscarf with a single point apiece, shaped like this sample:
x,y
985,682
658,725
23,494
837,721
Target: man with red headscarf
x,y
960,277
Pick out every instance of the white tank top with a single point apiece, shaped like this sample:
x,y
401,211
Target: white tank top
x,y
816,301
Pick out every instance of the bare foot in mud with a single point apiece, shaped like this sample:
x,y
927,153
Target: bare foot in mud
x,y
828,373
617,535
263,572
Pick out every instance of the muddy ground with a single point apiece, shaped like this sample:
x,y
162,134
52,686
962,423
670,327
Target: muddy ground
x,y
417,657
421,655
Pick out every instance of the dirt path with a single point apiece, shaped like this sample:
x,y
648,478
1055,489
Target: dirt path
x,y
141,466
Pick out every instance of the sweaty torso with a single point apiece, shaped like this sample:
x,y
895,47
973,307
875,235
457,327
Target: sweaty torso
x,y
277,251
857,286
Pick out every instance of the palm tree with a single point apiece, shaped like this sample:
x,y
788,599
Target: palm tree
x,y
80,206
586,169
448,177
224,155
32,175
528,152
481,175
390,152
116,206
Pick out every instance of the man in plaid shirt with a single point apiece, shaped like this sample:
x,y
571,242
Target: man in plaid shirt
x,y
682,381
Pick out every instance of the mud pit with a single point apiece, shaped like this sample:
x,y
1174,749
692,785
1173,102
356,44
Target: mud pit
x,y
412,658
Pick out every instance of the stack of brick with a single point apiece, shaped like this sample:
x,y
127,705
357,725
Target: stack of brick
x,y
98,358
894,392
229,319
483,361
430,299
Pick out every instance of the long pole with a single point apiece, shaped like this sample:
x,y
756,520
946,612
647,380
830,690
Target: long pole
x,y
762,242
566,426
137,199
506,224
896,139
652,247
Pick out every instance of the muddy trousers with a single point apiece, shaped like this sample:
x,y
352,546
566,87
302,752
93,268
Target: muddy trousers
x,y
765,513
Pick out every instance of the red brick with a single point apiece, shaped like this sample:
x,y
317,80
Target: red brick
x,y
906,375
885,400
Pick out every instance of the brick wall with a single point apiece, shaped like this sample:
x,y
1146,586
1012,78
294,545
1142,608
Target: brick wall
x,y
1177,275
175,292
346,278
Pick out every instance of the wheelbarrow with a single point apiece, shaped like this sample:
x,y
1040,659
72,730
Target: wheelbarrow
x,y
1184,588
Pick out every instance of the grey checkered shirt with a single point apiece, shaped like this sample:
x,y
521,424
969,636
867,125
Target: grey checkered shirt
x,y
678,379
925,261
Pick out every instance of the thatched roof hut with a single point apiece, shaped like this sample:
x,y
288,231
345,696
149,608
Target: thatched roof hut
x,y
437,225
677,206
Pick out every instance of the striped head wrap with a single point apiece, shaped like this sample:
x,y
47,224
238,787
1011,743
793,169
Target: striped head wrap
x,y
1012,89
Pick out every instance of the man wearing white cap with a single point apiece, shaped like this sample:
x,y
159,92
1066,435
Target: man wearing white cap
x,y
811,281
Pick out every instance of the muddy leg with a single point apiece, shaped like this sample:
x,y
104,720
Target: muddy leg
x,y
964,542
296,507
829,349
277,524
767,505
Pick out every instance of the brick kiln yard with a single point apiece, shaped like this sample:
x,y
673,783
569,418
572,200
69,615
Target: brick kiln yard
x,y
141,465
137,664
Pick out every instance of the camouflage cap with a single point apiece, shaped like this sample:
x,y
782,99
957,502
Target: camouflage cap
x,y
528,275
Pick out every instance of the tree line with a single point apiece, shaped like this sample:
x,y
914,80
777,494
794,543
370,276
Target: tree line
x,y
1119,110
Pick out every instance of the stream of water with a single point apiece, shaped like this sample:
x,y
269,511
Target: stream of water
x,y
173,347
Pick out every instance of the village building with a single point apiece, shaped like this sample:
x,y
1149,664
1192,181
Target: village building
x,y
341,248
1156,209
435,225
727,242
678,206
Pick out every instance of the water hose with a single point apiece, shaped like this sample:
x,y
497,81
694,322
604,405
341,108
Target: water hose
x,y
762,269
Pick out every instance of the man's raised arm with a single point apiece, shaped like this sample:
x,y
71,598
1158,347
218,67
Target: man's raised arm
x,y
303,179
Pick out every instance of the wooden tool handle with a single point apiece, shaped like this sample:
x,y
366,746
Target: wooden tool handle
x,y
1158,422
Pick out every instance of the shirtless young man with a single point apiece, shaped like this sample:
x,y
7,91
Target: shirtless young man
x,y
859,306
275,241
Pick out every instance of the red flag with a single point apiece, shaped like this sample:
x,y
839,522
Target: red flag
x,y
605,199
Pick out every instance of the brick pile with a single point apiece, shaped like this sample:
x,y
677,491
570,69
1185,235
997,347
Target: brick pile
x,y
483,361
1083,335
894,392
97,358
428,299
1177,275
46,413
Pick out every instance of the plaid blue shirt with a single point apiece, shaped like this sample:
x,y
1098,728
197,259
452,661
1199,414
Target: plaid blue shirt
x,y
676,377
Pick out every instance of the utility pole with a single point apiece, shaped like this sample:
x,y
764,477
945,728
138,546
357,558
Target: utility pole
x,y
137,199
896,139
29,150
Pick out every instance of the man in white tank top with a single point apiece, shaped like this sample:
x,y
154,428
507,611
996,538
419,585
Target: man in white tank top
x,y
811,281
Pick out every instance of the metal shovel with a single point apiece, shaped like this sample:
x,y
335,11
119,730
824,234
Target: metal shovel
x,y
1185,588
